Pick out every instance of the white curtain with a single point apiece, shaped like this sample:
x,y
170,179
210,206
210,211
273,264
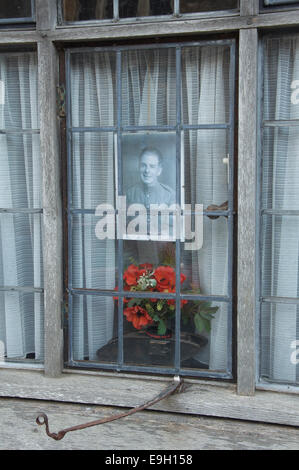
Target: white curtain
x,y
280,239
206,101
148,98
21,314
93,261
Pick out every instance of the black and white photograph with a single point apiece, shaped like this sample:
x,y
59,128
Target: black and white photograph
x,y
149,179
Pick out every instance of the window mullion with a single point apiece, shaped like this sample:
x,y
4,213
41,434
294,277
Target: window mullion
x,y
246,210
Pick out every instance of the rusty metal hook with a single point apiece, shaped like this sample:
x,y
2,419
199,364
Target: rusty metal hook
x,y
177,386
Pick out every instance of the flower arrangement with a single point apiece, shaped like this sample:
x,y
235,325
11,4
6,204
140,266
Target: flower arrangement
x,y
158,314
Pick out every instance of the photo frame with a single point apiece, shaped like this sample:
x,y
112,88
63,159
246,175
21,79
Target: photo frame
x,y
146,194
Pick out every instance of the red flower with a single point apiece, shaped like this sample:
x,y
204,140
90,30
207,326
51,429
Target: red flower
x,y
138,316
165,277
131,275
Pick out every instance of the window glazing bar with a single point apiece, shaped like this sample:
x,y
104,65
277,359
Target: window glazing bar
x,y
146,294
152,370
281,123
115,10
280,300
20,211
93,129
37,290
177,354
119,189
219,42
19,131
281,212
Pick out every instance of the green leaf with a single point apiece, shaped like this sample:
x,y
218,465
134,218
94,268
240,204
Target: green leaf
x,y
199,324
133,302
161,328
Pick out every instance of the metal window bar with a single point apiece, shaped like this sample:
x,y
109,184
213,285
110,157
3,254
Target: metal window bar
x,y
120,366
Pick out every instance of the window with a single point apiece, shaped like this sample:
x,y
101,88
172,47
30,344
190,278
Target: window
x,y
278,4
78,10
127,106
16,11
21,266
280,212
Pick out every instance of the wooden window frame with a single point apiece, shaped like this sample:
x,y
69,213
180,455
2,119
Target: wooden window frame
x,y
244,399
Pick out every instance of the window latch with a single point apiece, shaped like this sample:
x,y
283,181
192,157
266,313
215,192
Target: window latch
x,y
177,386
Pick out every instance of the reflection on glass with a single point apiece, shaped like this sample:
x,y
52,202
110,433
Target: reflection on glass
x,y
84,10
15,9
94,260
94,328
137,8
196,6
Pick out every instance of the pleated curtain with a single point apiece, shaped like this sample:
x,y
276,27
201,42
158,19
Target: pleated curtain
x,y
280,233
21,313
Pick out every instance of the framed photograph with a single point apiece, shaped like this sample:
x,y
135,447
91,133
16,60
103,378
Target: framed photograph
x,y
149,182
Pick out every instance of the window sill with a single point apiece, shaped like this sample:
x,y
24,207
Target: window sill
x,y
199,398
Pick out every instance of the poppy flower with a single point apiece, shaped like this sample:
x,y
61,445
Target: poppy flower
x,y
131,275
138,316
165,277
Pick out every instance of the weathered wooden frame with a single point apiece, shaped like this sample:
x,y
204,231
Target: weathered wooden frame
x,y
207,398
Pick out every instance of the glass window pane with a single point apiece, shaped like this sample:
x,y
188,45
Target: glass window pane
x,y
93,89
19,91
205,85
205,257
204,332
206,168
279,2
280,256
84,10
94,260
149,184
280,342
21,261
93,169
21,326
94,328
15,9
149,87
280,168
20,171
136,8
281,72
196,6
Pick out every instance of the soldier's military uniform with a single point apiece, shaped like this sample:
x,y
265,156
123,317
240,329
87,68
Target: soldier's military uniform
x,y
146,195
